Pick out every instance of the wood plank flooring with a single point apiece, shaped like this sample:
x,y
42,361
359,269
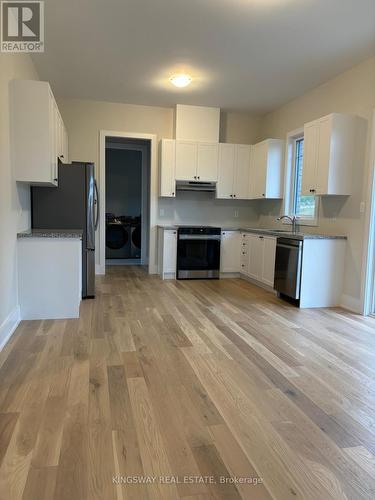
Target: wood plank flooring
x,y
192,390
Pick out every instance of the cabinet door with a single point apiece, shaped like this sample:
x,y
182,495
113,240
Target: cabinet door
x,y
268,266
230,252
259,170
207,169
186,160
167,167
255,252
244,253
170,251
224,187
53,137
323,155
242,172
311,134
66,147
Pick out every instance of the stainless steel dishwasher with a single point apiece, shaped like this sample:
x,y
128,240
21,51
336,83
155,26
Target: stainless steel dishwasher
x,y
288,266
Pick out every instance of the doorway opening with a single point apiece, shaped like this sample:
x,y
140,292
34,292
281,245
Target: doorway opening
x,y
127,201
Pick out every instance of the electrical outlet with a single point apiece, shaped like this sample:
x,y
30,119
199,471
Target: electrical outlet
x,y
236,214
161,212
362,207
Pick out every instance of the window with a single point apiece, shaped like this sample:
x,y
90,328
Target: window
x,y
304,207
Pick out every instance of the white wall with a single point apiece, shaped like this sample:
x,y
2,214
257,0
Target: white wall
x,y
84,119
351,92
14,199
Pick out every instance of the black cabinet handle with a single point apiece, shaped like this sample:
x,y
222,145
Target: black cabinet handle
x,y
261,237
55,180
172,194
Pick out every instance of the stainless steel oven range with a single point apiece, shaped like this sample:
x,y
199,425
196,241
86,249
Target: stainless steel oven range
x,y
198,253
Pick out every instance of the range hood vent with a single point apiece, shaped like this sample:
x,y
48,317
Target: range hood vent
x,y
207,187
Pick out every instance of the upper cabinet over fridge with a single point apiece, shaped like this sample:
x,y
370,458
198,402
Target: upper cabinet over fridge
x,y
38,135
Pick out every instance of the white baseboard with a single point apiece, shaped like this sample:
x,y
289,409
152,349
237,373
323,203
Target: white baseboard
x,y
258,283
9,325
351,303
99,269
229,275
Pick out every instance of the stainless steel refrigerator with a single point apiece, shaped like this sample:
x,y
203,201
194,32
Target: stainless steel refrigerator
x,y
74,204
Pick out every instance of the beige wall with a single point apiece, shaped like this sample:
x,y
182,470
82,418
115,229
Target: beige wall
x,y
351,92
84,119
239,128
14,199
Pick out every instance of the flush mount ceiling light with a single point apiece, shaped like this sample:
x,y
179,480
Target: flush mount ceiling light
x,y
181,80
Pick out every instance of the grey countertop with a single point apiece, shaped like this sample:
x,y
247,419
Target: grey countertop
x,y
51,233
271,232
296,236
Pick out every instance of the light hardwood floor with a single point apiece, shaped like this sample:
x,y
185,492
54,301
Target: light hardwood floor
x,y
200,380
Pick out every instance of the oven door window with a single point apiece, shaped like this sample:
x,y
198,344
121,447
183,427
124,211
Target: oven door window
x,y
196,255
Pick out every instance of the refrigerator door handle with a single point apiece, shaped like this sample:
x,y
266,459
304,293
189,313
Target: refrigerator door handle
x,y
97,205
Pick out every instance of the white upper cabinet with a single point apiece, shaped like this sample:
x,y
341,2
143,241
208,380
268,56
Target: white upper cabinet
x,y
234,171
167,168
225,184
242,172
38,134
266,169
186,160
333,146
196,161
207,167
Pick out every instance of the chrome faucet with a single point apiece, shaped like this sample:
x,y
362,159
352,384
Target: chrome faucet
x,y
293,221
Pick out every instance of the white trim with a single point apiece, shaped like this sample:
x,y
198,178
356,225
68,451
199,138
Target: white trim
x,y
289,176
9,325
145,192
351,303
368,259
99,269
152,266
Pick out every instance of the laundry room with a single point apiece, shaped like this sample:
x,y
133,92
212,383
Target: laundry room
x,y
126,201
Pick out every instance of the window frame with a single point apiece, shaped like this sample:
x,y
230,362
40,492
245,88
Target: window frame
x,y
290,181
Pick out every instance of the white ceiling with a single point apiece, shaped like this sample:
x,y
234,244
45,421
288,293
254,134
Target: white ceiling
x,y
244,54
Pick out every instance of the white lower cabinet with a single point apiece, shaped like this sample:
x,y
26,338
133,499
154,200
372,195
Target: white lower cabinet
x,y
229,252
49,277
268,265
167,248
258,257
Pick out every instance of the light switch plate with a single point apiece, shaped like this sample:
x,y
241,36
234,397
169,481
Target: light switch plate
x,y
161,212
